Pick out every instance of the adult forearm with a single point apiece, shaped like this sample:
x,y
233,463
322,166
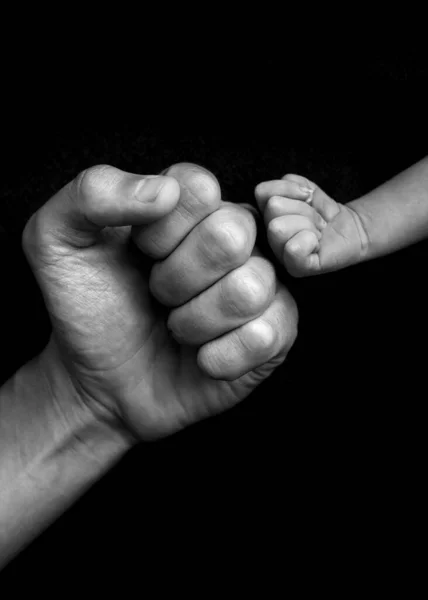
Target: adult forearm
x,y
51,450
395,214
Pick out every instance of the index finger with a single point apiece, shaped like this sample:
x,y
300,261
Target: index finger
x,y
199,197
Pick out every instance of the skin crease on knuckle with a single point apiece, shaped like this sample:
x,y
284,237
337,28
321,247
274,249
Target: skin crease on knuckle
x,y
94,185
225,242
247,291
260,338
253,344
95,180
243,351
203,194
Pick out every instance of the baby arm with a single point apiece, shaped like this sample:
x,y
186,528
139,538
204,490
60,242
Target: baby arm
x,y
395,214
311,233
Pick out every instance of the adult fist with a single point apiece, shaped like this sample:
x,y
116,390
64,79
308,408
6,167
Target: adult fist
x,y
161,350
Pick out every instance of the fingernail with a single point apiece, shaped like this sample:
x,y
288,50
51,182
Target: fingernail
x,y
305,190
323,223
149,188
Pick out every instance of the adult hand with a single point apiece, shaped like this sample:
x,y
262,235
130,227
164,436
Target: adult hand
x,y
156,350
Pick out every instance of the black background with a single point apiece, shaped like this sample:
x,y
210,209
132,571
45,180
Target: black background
x,y
326,454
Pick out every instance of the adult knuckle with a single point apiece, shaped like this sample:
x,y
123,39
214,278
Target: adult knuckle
x,y
292,332
233,239
288,318
227,242
289,338
93,184
204,188
92,179
248,294
264,336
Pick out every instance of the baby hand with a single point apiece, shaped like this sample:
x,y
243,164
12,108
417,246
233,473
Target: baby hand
x,y
309,232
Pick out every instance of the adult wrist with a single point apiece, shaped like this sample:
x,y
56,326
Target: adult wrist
x,y
53,447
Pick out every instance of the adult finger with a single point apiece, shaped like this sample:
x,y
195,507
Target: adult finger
x,y
255,343
220,243
242,295
199,197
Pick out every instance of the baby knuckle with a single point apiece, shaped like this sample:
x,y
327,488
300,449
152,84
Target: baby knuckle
x,y
260,189
275,204
274,228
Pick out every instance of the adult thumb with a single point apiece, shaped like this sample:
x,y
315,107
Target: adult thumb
x,y
105,196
